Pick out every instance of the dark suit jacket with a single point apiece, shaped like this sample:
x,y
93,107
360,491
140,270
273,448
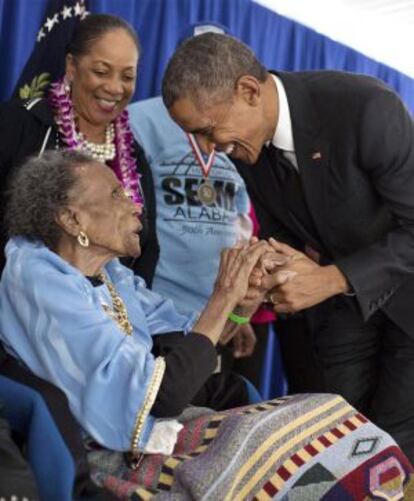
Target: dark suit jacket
x,y
354,143
22,133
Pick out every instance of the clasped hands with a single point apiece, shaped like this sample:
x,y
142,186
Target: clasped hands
x,y
273,272
294,281
281,275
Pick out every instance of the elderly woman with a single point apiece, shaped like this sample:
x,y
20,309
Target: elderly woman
x,y
86,111
89,324
126,358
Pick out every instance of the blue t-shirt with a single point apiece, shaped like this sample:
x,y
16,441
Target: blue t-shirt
x,y
191,234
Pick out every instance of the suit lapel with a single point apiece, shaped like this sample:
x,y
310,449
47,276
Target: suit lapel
x,y
313,161
263,180
312,152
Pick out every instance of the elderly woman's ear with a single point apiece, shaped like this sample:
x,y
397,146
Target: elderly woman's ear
x,y
67,220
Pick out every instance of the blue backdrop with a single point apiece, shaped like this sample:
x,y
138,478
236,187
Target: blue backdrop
x,y
279,42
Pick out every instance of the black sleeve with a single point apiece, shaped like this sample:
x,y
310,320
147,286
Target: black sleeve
x,y
386,155
190,361
145,265
22,133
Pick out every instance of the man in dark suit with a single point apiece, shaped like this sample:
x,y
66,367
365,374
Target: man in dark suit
x,y
328,159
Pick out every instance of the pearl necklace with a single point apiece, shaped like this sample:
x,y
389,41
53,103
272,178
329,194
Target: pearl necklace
x,y
103,152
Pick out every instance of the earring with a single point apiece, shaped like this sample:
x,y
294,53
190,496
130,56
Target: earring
x,y
66,85
83,239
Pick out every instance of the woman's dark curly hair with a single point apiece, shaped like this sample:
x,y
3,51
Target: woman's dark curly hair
x,y
38,190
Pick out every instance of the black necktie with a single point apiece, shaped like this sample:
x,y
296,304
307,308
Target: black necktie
x,y
293,194
282,166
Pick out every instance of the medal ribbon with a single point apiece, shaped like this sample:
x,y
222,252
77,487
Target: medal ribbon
x,y
205,166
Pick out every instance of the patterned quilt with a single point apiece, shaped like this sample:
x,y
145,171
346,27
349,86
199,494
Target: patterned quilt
x,y
305,447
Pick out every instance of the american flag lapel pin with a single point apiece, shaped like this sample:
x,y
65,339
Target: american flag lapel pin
x,y
317,155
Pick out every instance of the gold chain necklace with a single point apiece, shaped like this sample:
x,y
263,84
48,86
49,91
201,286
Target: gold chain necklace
x,y
119,312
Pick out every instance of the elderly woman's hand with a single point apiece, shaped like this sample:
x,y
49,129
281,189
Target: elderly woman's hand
x,y
230,288
236,267
244,340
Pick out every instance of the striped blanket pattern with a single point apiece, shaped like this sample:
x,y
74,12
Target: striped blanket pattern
x,y
305,447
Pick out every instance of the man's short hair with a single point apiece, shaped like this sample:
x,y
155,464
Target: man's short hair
x,y
208,66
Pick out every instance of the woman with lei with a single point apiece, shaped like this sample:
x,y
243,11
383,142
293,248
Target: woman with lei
x,y
86,111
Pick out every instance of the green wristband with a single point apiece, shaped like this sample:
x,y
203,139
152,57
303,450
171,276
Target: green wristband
x,y
237,319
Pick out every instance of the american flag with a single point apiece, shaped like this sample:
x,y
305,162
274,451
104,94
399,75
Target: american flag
x,y
47,60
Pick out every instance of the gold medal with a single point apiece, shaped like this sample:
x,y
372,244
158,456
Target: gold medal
x,y
207,193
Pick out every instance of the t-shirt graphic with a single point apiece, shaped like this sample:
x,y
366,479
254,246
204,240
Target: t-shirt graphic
x,y
191,234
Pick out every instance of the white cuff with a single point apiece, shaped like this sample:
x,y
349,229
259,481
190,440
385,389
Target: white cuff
x,y
163,437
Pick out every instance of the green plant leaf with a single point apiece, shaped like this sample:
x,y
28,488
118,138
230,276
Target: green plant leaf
x,y
24,92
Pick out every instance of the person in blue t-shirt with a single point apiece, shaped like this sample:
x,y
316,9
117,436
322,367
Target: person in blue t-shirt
x,y
202,207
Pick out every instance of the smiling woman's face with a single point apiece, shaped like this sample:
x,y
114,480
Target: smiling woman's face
x,y
105,213
103,79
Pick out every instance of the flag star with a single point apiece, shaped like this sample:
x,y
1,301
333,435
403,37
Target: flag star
x,y
66,12
40,35
79,9
84,14
51,22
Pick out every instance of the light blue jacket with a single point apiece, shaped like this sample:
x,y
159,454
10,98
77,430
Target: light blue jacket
x,y
52,318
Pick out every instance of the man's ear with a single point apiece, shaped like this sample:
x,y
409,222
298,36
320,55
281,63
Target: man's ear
x,y
67,220
249,89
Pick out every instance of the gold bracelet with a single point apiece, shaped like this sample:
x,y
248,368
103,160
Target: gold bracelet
x,y
142,414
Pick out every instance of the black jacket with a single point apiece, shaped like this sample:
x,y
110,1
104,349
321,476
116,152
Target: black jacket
x,y
23,128
354,143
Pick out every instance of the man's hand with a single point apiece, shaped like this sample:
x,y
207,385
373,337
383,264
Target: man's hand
x,y
244,341
301,283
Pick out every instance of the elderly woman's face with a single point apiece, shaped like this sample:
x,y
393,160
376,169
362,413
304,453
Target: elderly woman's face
x,y
108,216
103,80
